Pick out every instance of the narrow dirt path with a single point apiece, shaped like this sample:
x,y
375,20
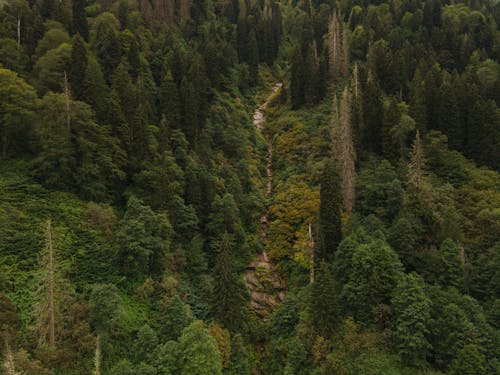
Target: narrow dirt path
x,y
266,288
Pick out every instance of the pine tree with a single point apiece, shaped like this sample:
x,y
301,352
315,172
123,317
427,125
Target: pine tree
x,y
80,24
229,295
78,67
329,214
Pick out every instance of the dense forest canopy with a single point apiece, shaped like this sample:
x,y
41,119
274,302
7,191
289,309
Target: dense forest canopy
x,y
249,187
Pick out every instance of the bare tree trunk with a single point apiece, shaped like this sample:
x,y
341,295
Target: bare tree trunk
x,y
311,248
52,339
97,358
19,30
67,96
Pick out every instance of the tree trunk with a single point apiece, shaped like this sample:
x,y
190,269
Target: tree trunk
x,y
52,339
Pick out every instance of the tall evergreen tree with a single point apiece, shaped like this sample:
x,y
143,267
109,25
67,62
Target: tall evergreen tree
x,y
80,24
324,300
329,214
78,67
297,79
373,114
228,304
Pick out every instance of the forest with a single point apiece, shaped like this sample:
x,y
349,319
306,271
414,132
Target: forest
x,y
249,187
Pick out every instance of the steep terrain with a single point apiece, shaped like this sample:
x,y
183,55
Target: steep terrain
x,y
266,286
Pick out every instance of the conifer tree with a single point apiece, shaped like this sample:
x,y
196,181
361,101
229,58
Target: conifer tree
x,y
448,116
324,300
297,79
311,83
170,104
329,214
80,24
418,109
78,67
229,294
373,114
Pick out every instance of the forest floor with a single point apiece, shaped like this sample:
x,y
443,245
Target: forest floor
x,y
266,287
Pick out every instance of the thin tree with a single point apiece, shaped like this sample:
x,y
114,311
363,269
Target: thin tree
x,y
97,356
45,311
67,98
343,152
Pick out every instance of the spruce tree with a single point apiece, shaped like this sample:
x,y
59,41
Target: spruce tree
x,y
78,67
228,304
329,214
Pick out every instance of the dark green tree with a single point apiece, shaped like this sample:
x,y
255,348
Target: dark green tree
x,y
173,318
324,301
452,274
80,24
17,105
143,239
329,214
229,295
411,307
78,67
297,79
373,115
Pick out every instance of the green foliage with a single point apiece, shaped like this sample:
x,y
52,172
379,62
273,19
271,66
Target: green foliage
x,y
373,274
228,304
16,109
324,303
329,214
198,351
105,309
143,239
411,308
